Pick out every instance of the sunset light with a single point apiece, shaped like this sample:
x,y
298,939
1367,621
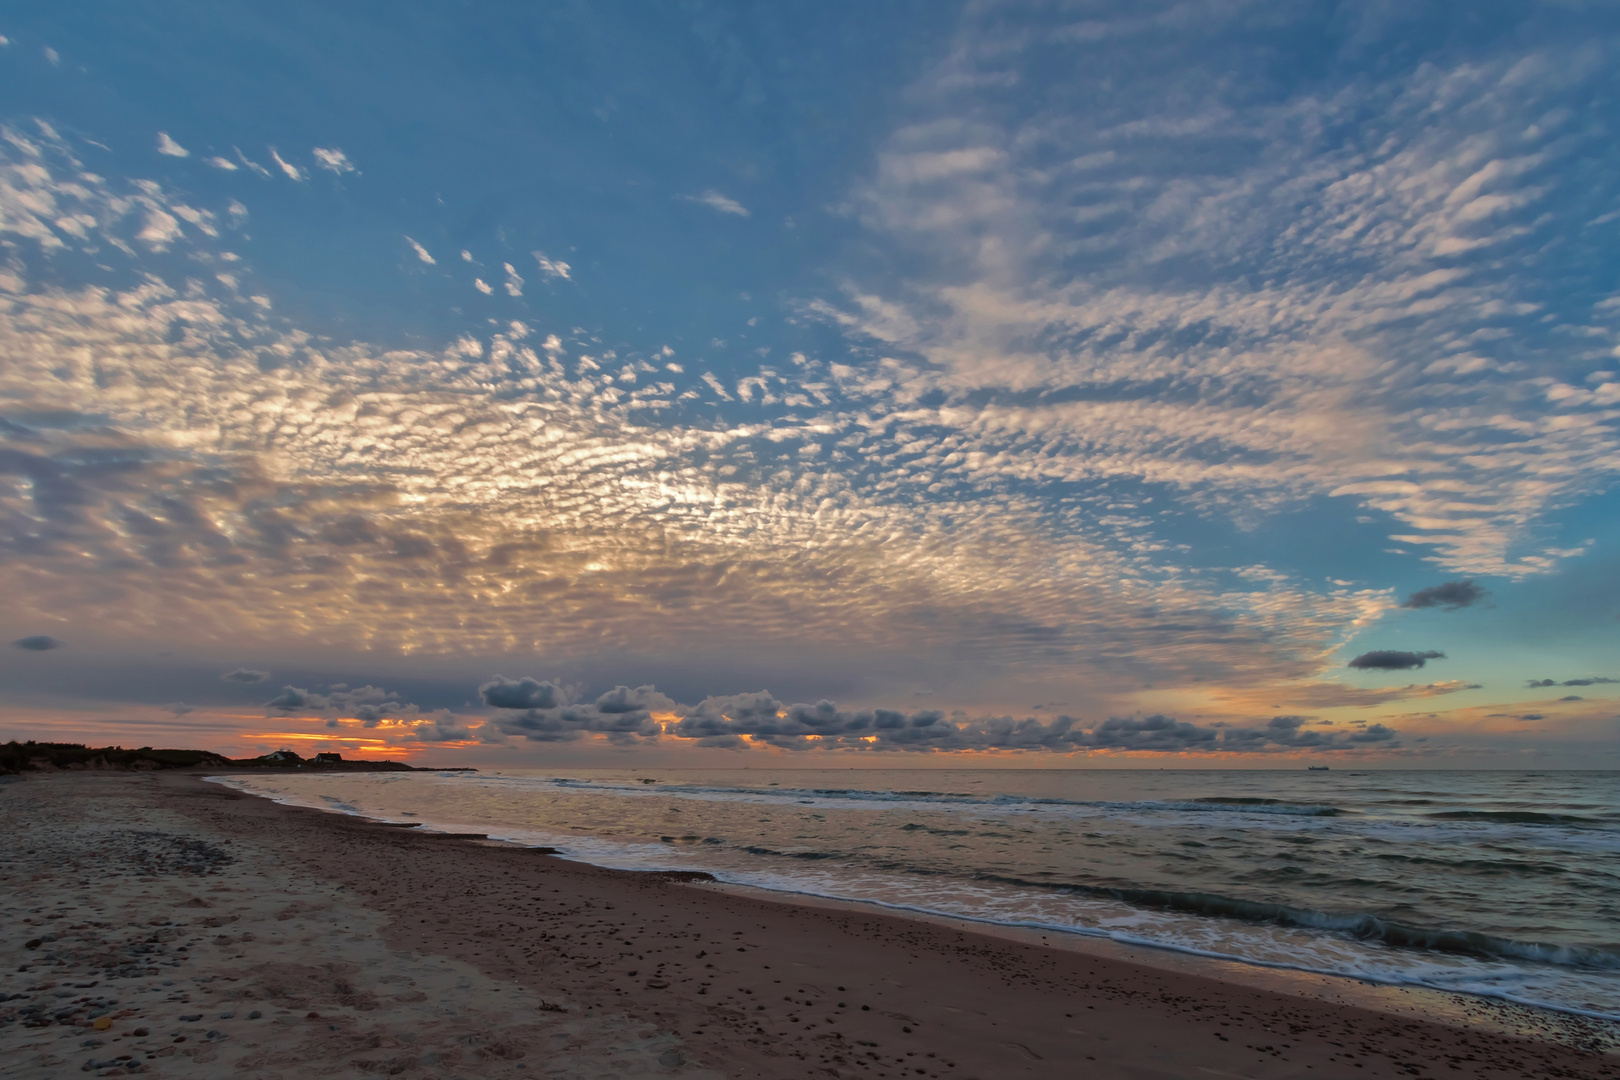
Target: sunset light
x,y
551,488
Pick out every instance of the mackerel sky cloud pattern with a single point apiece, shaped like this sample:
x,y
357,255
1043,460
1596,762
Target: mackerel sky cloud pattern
x,y
1138,357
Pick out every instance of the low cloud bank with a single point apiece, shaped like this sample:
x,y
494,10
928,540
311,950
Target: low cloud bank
x,y
548,711
373,707
758,719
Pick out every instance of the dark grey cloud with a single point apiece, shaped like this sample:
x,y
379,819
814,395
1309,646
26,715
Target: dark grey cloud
x,y
1449,595
38,643
370,705
1572,697
1591,680
725,721
443,726
622,699
1280,731
736,721
623,714
291,699
1156,732
525,693
245,675
730,716
1394,660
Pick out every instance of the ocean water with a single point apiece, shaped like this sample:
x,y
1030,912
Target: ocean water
x,y
1492,883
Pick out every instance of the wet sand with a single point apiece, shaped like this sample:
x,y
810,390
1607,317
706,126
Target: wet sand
x,y
439,956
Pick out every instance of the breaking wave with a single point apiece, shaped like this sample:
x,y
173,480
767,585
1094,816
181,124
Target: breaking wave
x,y
1197,806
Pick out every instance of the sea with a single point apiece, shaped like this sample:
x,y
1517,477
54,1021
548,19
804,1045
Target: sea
x,y
1500,884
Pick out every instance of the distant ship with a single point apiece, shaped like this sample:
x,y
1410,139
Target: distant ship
x,y
1316,768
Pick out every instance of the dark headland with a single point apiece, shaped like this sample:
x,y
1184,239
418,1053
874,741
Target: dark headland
x,y
23,757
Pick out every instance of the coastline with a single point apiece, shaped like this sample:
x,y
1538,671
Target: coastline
x,y
732,982
1452,1008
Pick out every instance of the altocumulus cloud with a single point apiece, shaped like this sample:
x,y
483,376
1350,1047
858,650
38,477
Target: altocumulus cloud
x,y
1207,330
1215,281
716,201
246,675
343,484
38,643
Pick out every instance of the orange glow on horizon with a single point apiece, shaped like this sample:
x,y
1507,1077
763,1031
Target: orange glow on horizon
x,y
378,745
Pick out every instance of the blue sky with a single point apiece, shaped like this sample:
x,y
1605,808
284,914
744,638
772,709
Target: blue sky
x,y
1088,382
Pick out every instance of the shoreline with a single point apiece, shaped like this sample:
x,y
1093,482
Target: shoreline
x,y
760,986
1497,1012
1500,1014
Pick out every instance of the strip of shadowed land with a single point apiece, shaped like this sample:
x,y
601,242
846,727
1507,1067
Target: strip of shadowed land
x,y
25,757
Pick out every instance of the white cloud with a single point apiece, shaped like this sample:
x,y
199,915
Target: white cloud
x,y
1245,330
332,160
717,386
421,252
161,229
252,165
220,163
293,172
465,483
550,268
482,286
716,201
514,283
52,56
166,145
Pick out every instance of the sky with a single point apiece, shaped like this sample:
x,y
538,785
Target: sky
x,y
1209,383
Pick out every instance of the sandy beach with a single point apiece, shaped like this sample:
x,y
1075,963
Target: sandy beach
x,y
163,926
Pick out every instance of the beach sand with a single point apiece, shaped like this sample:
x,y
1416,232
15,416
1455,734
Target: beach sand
x,y
159,925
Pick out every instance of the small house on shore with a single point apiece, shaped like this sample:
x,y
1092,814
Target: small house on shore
x,y
328,759
282,757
